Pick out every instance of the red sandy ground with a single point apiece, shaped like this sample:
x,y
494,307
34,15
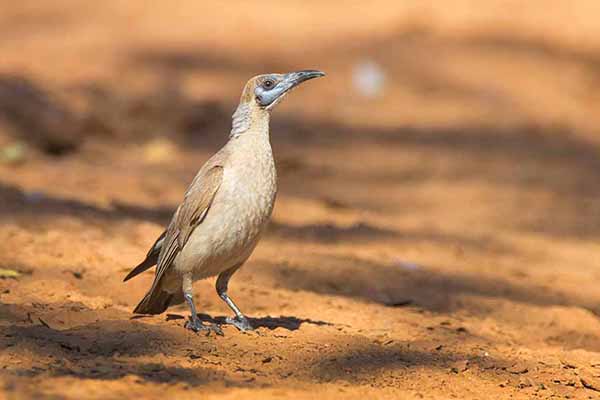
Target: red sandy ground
x,y
440,241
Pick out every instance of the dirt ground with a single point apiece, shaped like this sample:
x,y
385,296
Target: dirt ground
x,y
438,240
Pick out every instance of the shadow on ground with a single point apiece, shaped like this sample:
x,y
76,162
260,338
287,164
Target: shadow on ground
x,y
271,323
107,349
164,353
398,284
518,160
360,362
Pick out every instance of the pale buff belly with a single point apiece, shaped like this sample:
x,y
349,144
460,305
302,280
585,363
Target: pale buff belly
x,y
231,230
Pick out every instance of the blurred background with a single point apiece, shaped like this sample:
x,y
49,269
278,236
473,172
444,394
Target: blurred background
x,y
450,161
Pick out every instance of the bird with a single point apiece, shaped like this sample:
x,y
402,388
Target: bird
x,y
224,211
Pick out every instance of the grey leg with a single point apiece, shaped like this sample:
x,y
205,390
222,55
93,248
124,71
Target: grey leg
x,y
194,323
239,321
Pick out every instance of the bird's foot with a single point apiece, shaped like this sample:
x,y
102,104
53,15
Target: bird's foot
x,y
194,324
241,323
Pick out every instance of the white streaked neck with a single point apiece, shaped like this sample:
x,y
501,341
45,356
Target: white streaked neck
x,y
246,118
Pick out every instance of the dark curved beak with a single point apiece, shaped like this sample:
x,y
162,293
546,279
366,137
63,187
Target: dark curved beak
x,y
289,82
295,78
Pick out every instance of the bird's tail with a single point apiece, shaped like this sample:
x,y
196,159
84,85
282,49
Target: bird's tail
x,y
156,301
148,263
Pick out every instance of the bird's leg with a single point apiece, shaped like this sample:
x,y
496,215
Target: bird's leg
x,y
239,321
194,323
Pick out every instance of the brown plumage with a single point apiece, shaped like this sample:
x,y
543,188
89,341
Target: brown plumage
x,y
224,210
188,215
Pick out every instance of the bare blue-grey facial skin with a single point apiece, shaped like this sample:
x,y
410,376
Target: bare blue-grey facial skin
x,y
273,86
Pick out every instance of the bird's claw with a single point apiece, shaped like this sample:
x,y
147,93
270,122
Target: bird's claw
x,y
241,323
196,325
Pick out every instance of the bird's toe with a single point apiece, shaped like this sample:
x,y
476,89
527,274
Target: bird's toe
x,y
241,323
196,325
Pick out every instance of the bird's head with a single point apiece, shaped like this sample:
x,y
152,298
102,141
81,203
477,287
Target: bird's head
x,y
262,93
266,91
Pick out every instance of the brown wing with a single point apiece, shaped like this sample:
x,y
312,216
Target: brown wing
x,y
197,201
189,215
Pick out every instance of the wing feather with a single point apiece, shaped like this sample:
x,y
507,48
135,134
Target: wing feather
x,y
189,215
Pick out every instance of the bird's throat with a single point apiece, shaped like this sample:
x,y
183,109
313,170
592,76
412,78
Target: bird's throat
x,y
247,118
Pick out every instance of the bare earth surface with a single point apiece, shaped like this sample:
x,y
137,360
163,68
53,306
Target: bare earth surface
x,y
438,241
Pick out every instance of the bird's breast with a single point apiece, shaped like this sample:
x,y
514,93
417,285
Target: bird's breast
x,y
250,184
238,215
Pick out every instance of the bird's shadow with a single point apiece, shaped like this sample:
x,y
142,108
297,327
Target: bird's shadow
x,y
271,323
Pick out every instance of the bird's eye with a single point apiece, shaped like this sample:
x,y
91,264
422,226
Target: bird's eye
x,y
268,84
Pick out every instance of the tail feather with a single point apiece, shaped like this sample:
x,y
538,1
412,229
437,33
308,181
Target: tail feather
x,y
151,258
149,262
157,301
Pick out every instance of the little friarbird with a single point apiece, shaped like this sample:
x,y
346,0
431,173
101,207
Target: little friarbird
x,y
224,211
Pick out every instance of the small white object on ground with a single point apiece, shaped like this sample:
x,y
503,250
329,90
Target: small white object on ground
x,y
368,78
